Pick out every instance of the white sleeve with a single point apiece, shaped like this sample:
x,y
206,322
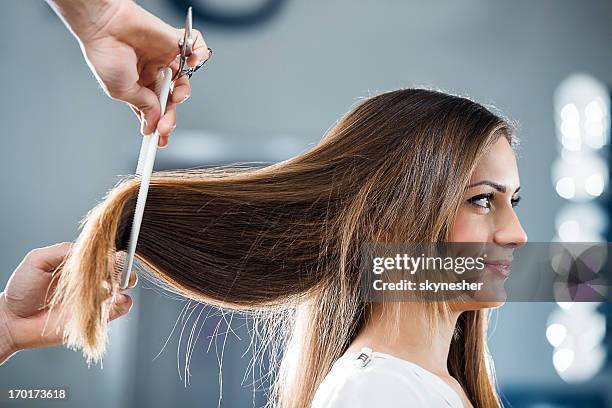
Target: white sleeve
x,y
369,388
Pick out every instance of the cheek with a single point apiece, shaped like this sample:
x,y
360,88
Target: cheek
x,y
470,227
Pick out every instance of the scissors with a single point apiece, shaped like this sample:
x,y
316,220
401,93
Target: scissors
x,y
186,46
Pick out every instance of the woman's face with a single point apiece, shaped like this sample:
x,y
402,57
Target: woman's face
x,y
487,215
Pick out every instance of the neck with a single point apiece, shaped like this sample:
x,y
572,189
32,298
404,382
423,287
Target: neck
x,y
410,337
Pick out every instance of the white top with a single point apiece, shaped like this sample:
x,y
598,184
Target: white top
x,y
374,379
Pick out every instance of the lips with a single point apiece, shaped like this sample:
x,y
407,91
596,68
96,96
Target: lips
x,y
501,266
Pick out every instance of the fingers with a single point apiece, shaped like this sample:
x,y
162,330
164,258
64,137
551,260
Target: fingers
x,y
200,50
144,101
121,303
167,124
48,258
27,289
182,90
120,306
147,103
46,329
39,330
133,280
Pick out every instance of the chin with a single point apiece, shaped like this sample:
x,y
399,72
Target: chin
x,y
492,298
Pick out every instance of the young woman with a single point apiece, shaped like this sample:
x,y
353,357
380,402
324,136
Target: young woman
x,y
283,242
436,362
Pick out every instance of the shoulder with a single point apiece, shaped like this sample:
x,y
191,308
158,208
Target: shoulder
x,y
363,380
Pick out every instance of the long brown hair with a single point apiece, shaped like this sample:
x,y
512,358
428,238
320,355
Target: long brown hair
x,y
284,240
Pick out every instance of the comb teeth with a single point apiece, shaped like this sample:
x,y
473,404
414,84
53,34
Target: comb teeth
x,y
119,271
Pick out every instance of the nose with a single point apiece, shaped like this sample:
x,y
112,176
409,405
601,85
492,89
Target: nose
x,y
510,232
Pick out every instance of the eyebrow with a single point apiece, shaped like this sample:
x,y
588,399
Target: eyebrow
x,y
499,187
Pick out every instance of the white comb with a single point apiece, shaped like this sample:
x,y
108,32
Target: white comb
x,y
146,159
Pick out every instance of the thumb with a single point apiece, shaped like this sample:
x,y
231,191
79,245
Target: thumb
x,y
147,102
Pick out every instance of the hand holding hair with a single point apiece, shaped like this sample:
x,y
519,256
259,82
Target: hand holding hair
x,y
25,319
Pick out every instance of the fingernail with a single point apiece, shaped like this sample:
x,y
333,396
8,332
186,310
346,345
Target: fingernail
x,y
121,299
186,97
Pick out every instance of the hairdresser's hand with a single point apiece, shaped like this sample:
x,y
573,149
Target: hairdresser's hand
x,y
23,305
126,47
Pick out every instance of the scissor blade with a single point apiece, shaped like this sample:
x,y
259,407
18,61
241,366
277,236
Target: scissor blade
x,y
188,33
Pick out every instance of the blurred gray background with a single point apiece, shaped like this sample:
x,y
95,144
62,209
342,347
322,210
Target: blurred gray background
x,y
270,92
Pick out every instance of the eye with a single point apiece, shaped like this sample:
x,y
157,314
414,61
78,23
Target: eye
x,y
515,201
482,200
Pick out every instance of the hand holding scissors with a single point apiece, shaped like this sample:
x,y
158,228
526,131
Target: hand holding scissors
x,y
126,47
